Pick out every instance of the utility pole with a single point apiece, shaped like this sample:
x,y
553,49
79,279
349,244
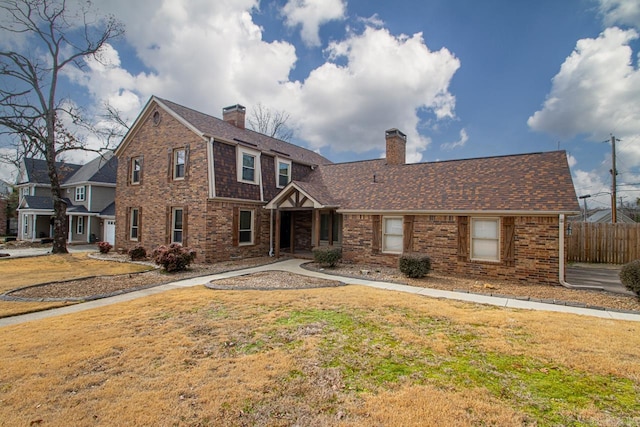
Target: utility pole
x,y
584,199
614,213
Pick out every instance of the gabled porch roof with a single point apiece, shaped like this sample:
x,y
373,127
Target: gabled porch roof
x,y
298,194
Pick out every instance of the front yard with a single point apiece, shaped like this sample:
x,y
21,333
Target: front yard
x,y
351,356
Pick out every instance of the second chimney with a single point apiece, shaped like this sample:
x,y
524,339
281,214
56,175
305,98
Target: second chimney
x,y
396,147
234,115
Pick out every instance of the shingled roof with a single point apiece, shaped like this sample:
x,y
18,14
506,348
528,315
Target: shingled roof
x,y
536,182
37,171
213,126
102,169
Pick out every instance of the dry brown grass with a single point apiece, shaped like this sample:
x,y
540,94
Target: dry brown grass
x,y
348,356
15,273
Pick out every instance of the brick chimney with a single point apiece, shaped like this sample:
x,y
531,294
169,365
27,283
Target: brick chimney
x,y
396,147
234,115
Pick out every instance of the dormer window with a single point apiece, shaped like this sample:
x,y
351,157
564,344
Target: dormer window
x,y
248,164
283,172
80,191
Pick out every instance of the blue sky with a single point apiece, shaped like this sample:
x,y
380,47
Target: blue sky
x,y
462,78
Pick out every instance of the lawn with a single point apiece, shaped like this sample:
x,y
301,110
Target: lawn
x,y
20,272
349,356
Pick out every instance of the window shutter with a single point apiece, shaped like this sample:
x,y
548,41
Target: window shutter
x,y
128,170
185,222
169,225
235,226
407,231
186,162
170,161
127,220
140,175
463,238
509,242
256,227
140,224
376,233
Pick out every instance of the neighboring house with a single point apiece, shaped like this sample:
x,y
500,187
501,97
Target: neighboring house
x,y
204,182
604,216
90,198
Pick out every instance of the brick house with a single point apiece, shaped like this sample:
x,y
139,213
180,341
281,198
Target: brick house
x,y
230,192
90,191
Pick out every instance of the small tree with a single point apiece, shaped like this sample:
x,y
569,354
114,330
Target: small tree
x,y
31,112
270,122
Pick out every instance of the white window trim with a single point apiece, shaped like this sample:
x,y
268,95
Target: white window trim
x,y
287,162
137,226
80,195
384,220
240,151
133,170
252,229
497,239
173,225
80,225
175,163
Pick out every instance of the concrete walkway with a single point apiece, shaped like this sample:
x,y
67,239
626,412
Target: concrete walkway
x,y
294,266
44,250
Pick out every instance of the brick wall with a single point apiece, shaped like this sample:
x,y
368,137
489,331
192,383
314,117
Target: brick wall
x,y
302,221
536,248
219,232
157,193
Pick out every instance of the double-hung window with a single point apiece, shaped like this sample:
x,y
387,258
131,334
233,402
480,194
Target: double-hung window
x,y
80,193
176,225
392,235
248,164
245,227
283,172
485,238
136,170
179,163
134,223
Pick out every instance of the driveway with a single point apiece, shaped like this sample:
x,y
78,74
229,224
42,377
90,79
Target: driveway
x,y
603,276
45,249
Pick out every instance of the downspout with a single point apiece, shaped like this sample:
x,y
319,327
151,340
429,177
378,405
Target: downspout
x,y
271,234
561,258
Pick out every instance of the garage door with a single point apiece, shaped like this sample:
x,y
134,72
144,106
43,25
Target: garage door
x,y
110,232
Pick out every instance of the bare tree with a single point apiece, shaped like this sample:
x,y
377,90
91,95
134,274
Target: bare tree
x,y
31,112
270,122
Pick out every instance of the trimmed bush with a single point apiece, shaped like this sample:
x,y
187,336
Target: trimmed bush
x,y
104,247
137,253
414,265
327,256
174,257
630,276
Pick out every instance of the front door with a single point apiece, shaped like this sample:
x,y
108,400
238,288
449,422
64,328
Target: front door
x,y
285,230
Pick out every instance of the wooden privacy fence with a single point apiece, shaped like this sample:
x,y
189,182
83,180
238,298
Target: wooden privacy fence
x,y
603,243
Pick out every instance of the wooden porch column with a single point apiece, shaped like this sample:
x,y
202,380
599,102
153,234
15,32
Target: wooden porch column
x,y
331,228
291,230
315,241
277,236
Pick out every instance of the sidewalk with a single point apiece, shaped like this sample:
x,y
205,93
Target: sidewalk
x,y
294,266
44,250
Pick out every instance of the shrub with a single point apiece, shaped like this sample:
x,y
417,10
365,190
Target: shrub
x,y
137,253
174,257
327,256
104,247
414,265
630,276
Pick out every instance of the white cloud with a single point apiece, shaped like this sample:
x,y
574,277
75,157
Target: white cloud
x,y
571,160
456,144
596,91
211,54
620,12
310,15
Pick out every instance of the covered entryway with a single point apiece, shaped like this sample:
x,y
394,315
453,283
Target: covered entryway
x,y
302,222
